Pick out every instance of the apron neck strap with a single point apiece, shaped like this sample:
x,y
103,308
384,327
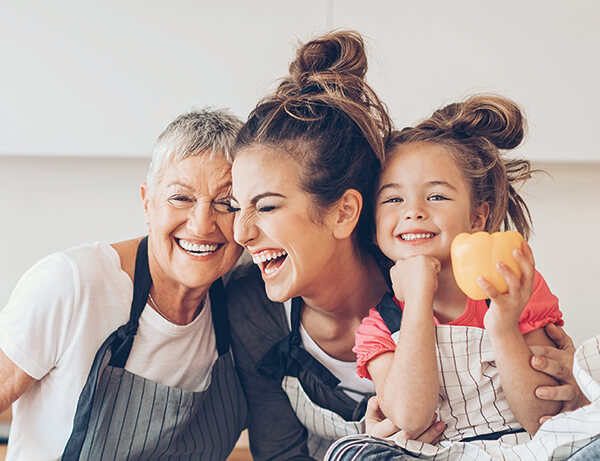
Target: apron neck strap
x,y
287,357
142,281
295,315
218,308
121,345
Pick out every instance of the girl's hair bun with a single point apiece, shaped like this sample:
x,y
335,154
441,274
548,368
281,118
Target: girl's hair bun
x,y
493,117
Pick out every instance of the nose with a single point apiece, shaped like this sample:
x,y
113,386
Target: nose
x,y
414,211
202,221
244,229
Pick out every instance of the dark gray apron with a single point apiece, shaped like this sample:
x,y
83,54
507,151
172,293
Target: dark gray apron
x,y
123,416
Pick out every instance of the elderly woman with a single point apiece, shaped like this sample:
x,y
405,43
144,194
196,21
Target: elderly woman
x,y
121,351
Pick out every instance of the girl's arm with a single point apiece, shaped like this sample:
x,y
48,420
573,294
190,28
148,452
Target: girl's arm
x,y
519,380
378,425
406,381
512,349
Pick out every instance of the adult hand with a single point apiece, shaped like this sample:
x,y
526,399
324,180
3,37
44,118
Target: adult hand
x,y
379,426
558,363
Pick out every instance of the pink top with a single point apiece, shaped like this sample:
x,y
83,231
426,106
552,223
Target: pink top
x,y
373,337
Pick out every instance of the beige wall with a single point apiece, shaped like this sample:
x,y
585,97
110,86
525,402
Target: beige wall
x,y
53,203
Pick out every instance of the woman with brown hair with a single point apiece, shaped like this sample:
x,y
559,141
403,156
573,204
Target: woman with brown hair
x,y
304,175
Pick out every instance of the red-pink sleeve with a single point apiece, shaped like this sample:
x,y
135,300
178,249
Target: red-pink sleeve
x,y
542,308
372,338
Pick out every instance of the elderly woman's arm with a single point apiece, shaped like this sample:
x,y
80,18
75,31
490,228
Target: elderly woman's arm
x,y
14,382
31,323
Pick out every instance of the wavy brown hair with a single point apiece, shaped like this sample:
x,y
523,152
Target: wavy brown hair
x,y
474,132
328,119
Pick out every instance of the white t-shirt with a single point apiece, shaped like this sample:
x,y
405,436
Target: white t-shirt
x,y
59,314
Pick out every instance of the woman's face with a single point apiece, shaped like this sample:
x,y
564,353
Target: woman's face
x,y
277,223
191,222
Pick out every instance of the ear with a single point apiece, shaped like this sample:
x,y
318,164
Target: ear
x,y
480,216
145,193
345,213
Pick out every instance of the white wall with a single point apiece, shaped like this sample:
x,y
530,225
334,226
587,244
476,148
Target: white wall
x,y
103,78
86,87
565,215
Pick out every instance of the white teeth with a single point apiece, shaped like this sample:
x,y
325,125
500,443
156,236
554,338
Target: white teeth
x,y
266,256
416,236
194,247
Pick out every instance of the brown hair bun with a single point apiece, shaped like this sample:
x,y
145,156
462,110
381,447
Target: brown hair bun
x,y
331,62
493,117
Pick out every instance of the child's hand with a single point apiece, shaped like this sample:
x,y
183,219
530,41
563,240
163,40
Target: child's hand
x,y
505,308
415,277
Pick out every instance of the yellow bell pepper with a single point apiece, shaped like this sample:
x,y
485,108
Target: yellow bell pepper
x,y
476,255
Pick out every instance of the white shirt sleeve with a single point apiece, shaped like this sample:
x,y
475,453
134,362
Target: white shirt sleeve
x,y
34,323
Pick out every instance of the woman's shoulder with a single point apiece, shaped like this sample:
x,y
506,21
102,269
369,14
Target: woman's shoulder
x,y
65,265
250,311
245,287
95,261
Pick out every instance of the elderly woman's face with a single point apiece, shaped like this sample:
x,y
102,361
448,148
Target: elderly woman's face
x,y
191,222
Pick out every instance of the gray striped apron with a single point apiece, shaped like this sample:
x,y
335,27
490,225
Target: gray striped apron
x,y
286,357
124,416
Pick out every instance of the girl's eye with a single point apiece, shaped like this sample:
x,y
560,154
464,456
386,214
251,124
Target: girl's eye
x,y
436,197
265,208
393,200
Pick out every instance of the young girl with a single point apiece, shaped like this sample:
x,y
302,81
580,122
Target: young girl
x,y
468,360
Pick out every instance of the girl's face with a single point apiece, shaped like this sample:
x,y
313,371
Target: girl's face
x,y
423,202
276,223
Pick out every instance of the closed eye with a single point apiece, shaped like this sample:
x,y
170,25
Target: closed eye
x,y
180,199
224,206
266,208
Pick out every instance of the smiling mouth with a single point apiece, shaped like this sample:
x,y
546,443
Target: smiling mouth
x,y
195,249
421,236
270,261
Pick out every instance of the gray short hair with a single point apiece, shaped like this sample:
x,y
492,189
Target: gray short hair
x,y
204,131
